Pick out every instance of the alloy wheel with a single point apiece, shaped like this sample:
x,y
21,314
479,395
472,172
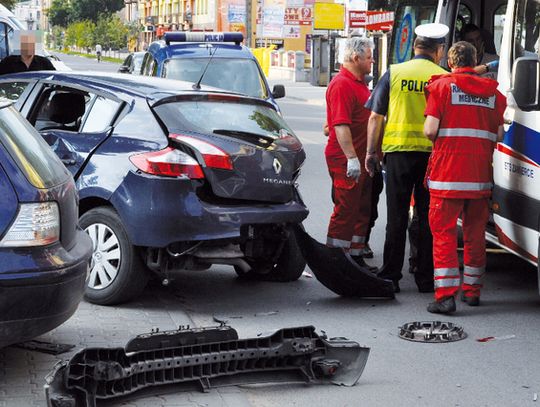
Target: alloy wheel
x,y
106,256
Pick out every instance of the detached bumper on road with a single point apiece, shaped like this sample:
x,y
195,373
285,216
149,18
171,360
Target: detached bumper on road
x,y
209,357
41,289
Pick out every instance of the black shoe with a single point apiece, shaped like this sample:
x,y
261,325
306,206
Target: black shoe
x,y
470,301
366,252
426,288
360,261
394,283
445,306
396,286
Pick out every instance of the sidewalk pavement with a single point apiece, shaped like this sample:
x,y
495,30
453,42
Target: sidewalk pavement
x,y
22,372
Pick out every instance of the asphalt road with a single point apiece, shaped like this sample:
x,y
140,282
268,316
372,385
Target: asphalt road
x,y
504,372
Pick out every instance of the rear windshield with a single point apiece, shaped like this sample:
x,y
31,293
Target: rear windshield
x,y
210,116
33,156
236,75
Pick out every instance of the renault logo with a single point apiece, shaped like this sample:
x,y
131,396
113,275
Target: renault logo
x,y
277,166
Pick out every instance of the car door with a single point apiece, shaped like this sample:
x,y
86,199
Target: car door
x,y
73,122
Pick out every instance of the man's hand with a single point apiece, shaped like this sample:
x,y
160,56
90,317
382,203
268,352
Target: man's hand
x,y
353,168
372,164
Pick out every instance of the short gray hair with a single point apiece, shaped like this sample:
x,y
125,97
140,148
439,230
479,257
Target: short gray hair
x,y
357,45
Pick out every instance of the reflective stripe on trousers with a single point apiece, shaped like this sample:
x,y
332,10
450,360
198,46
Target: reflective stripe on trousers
x,y
473,275
482,134
332,242
459,186
446,277
443,215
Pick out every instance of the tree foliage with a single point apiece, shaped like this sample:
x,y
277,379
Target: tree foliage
x,y
80,34
60,13
10,4
91,9
111,32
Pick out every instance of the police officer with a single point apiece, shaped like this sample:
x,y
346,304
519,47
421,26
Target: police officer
x,y
464,119
399,96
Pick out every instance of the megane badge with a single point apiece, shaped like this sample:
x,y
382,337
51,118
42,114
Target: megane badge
x,y
277,166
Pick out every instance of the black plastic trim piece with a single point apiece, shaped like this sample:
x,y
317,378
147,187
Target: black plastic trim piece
x,y
209,357
517,208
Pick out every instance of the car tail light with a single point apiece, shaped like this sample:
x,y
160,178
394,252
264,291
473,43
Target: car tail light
x,y
168,162
36,224
214,157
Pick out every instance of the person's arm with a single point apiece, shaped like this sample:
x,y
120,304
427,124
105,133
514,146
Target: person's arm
x,y
374,132
500,134
49,65
431,127
378,104
492,66
344,138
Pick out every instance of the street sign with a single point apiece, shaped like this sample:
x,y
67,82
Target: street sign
x,y
328,16
371,20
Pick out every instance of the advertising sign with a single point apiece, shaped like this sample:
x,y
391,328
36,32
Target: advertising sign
x,y
371,20
328,16
292,31
237,13
298,16
273,20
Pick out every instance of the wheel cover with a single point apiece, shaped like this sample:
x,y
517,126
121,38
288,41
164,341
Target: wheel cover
x,y
106,256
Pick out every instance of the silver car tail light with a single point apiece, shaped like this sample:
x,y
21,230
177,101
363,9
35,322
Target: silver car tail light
x,y
36,224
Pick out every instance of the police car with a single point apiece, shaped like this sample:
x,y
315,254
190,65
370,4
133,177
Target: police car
x,y
213,59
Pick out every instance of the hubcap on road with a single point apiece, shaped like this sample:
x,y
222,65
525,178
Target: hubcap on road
x,y
105,258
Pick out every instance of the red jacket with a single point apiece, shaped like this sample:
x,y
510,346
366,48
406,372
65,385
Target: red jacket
x,y
470,110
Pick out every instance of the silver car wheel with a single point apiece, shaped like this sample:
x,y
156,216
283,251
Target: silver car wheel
x,y
106,256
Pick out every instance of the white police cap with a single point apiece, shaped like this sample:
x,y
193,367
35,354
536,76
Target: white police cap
x,y
433,31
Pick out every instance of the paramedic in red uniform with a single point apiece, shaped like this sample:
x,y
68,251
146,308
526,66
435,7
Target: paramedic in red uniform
x,y
464,119
346,148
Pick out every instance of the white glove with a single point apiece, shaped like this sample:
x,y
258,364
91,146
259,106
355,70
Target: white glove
x,y
353,168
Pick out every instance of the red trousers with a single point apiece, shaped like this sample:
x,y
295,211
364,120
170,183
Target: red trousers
x,y
350,219
443,215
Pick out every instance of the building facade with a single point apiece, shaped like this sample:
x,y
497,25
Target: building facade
x,y
29,13
158,16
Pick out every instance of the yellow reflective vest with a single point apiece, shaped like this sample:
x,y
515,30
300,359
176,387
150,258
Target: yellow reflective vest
x,y
404,129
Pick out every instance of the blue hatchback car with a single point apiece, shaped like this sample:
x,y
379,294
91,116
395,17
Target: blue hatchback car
x,y
170,177
44,256
226,63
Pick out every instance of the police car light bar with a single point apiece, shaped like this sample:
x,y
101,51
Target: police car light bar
x,y
179,36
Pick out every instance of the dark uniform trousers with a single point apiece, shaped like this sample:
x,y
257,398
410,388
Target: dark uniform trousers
x,y
405,172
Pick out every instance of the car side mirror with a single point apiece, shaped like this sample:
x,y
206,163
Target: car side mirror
x,y
526,83
123,69
278,91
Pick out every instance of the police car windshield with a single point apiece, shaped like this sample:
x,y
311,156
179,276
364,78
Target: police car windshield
x,y
236,75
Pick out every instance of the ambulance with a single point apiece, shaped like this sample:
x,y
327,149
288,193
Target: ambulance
x,y
511,30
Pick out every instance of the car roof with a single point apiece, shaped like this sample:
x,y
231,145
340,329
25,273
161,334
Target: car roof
x,y
162,51
152,88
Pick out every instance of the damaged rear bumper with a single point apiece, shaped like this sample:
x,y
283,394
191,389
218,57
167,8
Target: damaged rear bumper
x,y
209,357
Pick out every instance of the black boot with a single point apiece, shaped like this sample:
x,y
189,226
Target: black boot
x,y
361,262
445,306
470,301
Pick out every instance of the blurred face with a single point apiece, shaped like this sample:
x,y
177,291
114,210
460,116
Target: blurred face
x,y
364,63
28,45
475,38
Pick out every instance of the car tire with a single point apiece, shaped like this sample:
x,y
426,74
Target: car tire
x,y
289,266
116,274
